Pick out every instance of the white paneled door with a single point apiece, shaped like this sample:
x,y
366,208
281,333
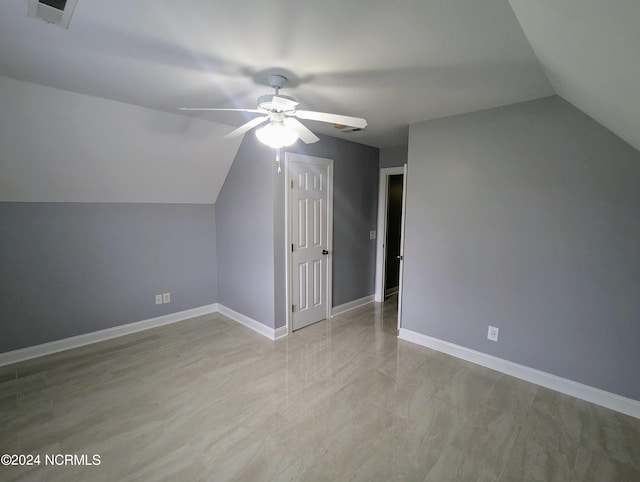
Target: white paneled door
x,y
309,224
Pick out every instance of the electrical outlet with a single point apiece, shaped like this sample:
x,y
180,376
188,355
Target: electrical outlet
x,y
493,333
166,297
372,235
158,299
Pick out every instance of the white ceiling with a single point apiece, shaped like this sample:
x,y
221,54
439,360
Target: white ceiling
x,y
394,63
590,51
56,146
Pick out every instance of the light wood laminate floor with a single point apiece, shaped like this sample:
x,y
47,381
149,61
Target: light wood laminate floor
x,y
207,399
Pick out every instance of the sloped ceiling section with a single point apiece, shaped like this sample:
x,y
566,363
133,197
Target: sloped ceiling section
x,y
590,51
59,146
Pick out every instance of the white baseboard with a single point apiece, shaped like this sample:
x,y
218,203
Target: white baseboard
x,y
256,326
280,332
600,397
56,346
352,305
96,336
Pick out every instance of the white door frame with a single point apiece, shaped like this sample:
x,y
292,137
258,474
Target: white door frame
x,y
383,207
288,157
402,225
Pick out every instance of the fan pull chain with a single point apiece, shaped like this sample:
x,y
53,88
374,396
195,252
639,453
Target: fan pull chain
x,y
278,160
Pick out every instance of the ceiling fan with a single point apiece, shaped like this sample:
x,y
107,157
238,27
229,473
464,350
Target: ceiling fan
x,y
283,127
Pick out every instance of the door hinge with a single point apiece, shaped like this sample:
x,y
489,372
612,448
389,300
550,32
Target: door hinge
x,y
292,247
293,308
291,184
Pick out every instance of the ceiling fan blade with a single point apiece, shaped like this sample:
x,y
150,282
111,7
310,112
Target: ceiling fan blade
x,y
255,111
283,104
303,131
246,127
331,118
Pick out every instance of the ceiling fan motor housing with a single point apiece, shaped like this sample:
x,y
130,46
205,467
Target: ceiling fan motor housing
x,y
267,103
277,81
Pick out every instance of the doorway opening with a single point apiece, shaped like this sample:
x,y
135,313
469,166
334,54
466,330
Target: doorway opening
x,y
390,246
392,238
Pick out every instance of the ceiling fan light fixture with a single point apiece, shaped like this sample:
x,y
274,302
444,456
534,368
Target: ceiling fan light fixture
x,y
276,135
282,114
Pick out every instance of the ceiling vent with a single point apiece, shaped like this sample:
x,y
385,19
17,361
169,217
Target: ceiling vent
x,y
346,129
57,12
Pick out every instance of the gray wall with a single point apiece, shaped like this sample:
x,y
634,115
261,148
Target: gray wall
x,y
393,156
73,268
526,217
244,233
250,227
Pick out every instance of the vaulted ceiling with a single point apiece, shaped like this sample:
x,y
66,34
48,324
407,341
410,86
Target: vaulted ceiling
x,y
394,63
590,51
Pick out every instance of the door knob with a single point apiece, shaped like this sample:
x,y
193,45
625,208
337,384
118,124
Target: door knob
x,y
399,257
325,252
